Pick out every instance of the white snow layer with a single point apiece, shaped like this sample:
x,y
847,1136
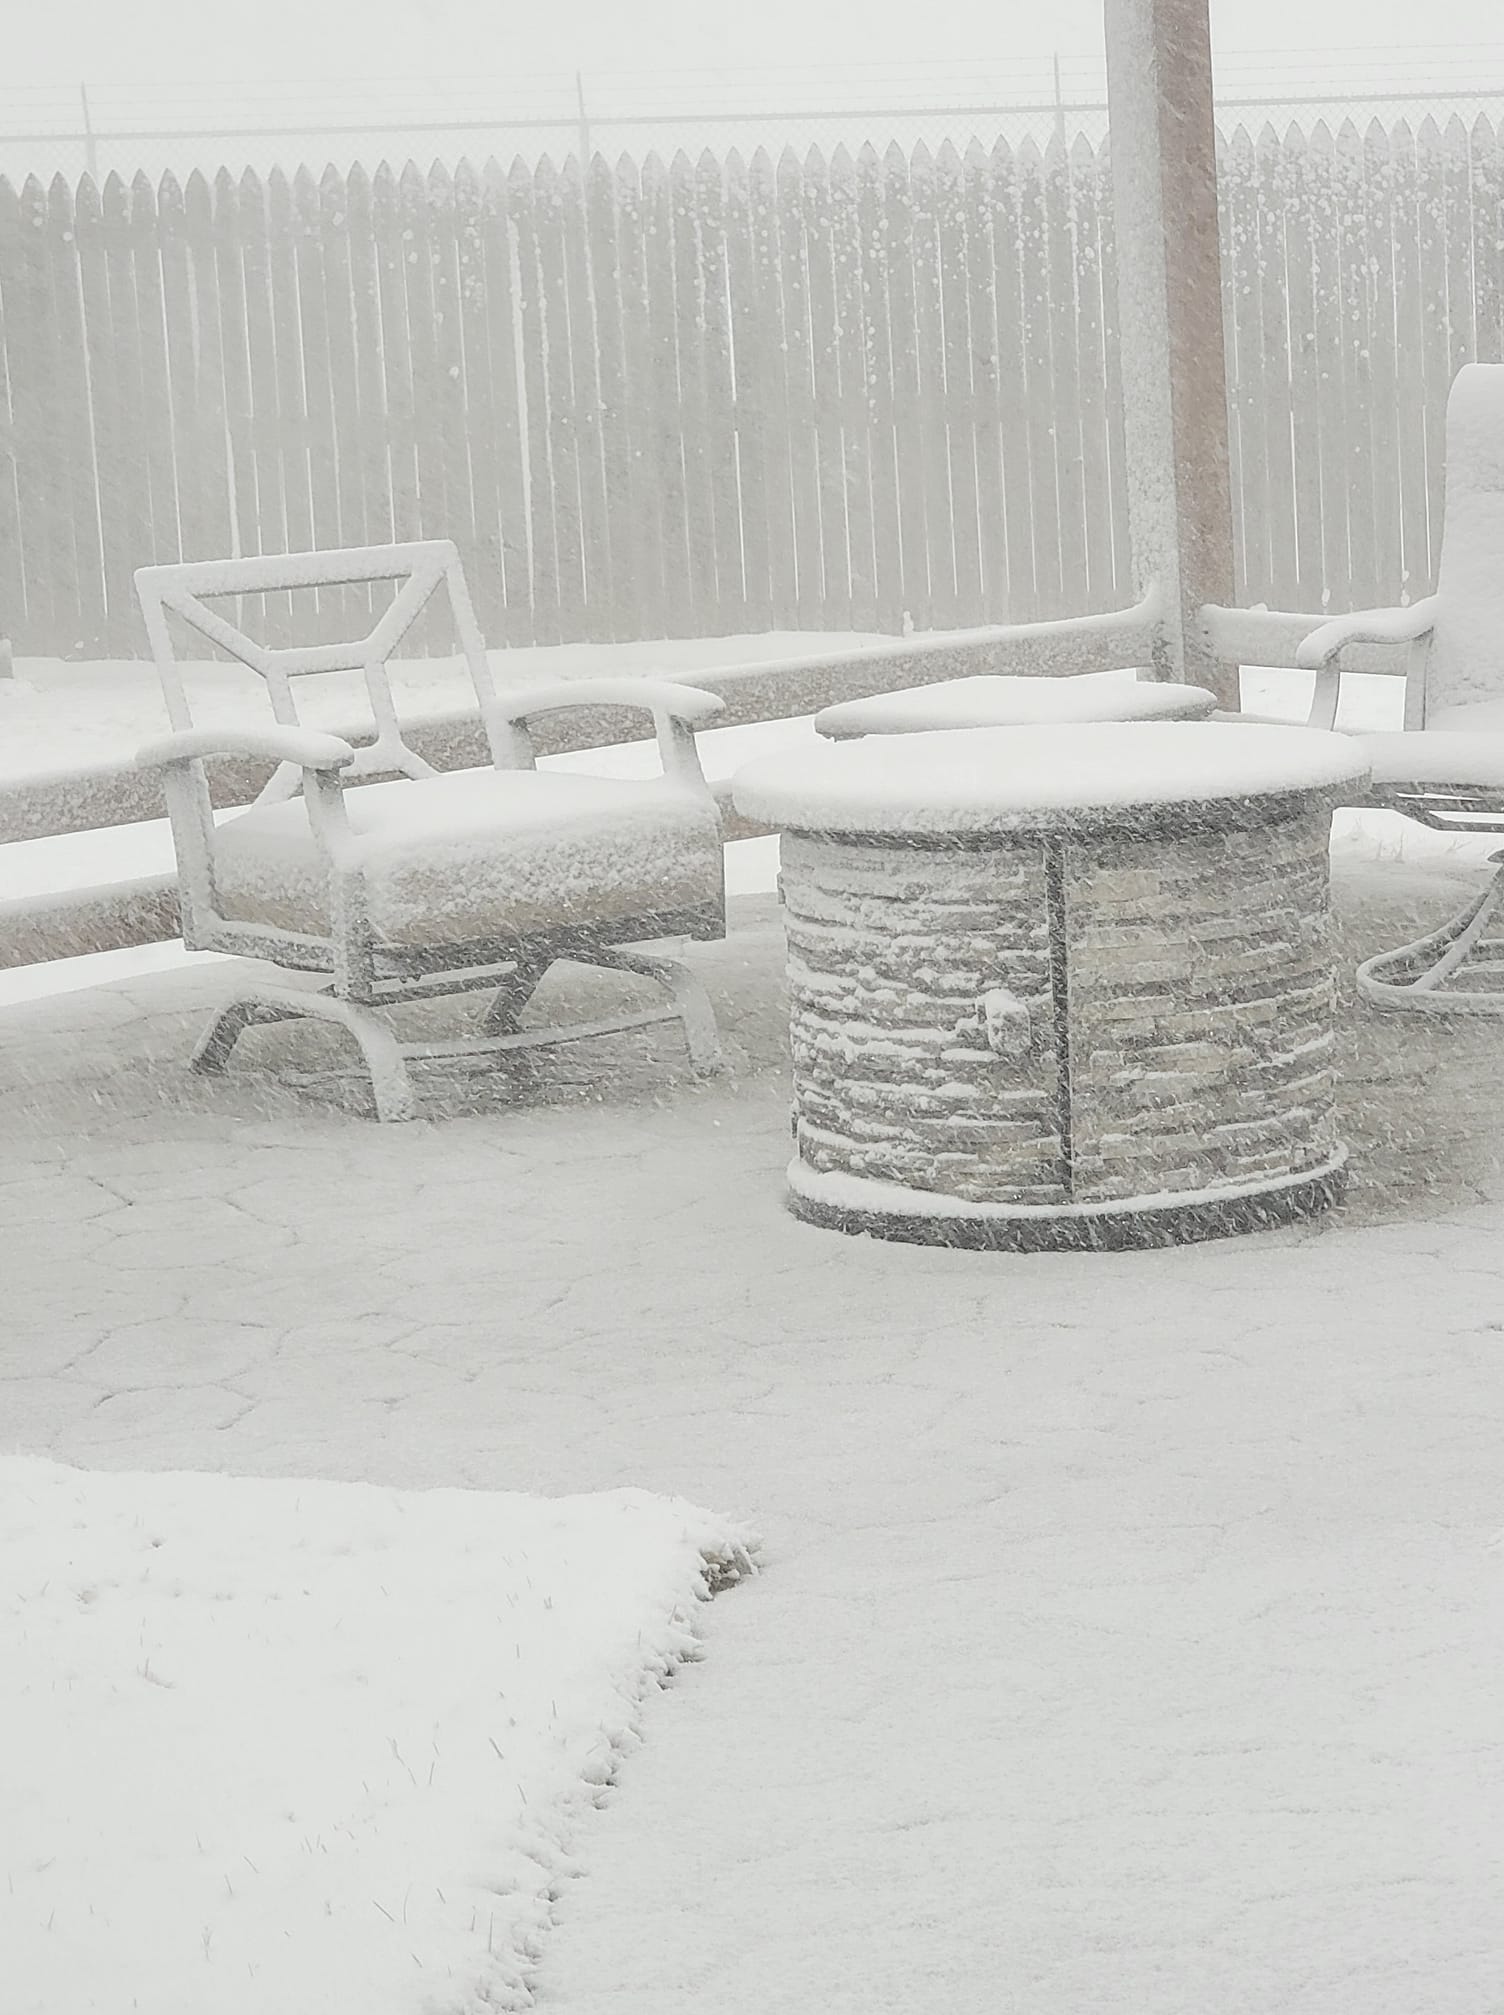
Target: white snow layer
x,y
480,853
301,1746
998,700
57,717
994,778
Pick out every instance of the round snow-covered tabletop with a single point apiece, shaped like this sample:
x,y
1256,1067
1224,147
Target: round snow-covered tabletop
x,y
996,702
1143,775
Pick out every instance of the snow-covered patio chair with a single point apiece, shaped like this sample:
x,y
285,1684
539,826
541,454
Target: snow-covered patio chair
x,y
1446,769
426,884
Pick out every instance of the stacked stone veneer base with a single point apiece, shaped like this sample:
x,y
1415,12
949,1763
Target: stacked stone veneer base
x,y
1093,1038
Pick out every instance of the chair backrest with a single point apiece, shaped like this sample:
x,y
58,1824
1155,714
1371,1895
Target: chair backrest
x,y
420,568
1466,659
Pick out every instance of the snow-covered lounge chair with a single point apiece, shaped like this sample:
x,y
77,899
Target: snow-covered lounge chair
x,y
423,884
1447,768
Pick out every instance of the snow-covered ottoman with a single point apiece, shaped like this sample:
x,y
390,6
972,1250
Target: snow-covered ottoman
x,y
1060,987
992,700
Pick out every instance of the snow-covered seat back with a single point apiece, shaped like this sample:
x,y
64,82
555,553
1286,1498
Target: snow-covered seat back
x,y
1466,660
419,568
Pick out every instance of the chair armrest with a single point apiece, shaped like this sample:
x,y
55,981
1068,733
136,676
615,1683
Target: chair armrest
x,y
306,747
677,711
654,696
1321,649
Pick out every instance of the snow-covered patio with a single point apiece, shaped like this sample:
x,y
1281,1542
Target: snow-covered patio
x,y
1131,1624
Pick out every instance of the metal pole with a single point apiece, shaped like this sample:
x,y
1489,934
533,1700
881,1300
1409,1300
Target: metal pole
x,y
584,122
1164,175
1059,104
91,152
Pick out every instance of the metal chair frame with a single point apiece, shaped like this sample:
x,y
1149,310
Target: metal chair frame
x,y
365,976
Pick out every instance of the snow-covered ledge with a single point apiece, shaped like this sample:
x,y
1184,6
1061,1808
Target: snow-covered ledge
x,y
88,798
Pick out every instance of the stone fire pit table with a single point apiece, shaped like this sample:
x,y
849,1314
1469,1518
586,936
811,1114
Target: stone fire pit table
x,y
1060,987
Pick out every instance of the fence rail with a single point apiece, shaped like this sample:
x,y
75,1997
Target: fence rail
x,y
698,397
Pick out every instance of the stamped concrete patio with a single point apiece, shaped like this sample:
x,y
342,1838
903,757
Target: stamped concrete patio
x,y
1131,1625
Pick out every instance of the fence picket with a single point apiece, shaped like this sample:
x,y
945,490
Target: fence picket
x,y
396,354
538,463
1305,370
584,349
1065,373
645,542
448,419
693,407
748,372
514,578
903,323
1091,383
45,531
1461,280
1013,429
1435,341
339,228
825,378
13,611
1486,205
1273,338
960,393
929,322
72,447
136,415
113,476
804,463
333,617
763,390
1038,381
424,306
204,503
266,531
887,542
564,432
665,394
854,345
226,245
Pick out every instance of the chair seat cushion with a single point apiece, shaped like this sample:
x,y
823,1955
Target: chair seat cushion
x,y
481,854
1436,757
993,701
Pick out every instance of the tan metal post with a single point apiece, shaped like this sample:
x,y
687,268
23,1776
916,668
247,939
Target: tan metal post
x,y
1164,178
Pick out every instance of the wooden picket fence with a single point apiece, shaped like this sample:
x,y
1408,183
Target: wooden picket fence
x,y
719,395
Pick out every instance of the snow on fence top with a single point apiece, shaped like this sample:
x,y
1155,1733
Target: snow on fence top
x,y
1010,779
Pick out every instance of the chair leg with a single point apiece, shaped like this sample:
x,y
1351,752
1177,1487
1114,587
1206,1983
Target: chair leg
x,y
391,1087
1416,975
512,996
211,1053
692,1005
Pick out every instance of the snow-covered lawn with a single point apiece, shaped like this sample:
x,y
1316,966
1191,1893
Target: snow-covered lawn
x,y
313,1747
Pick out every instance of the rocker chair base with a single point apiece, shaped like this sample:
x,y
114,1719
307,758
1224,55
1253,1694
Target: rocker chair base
x,y
1431,974
386,1059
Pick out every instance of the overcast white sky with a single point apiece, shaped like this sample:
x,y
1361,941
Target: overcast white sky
x,y
120,41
